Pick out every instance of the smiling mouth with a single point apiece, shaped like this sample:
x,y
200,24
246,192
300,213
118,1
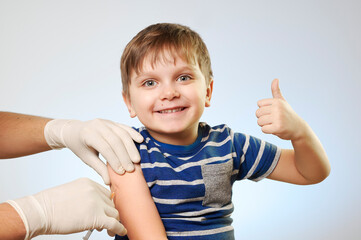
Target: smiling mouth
x,y
172,110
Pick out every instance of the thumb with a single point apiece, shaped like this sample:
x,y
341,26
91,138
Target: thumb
x,y
276,92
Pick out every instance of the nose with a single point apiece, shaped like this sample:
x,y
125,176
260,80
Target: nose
x,y
169,92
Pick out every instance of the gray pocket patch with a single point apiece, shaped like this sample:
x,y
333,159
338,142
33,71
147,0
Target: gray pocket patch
x,y
217,181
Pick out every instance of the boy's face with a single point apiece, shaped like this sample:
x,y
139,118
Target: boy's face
x,y
169,97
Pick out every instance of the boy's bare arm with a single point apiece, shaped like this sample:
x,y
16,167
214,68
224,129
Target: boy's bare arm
x,y
137,211
307,163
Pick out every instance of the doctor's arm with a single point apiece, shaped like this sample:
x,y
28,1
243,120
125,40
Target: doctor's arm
x,y
69,208
11,225
22,135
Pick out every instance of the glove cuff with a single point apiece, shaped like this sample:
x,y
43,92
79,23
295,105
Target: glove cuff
x,y
31,214
53,133
22,216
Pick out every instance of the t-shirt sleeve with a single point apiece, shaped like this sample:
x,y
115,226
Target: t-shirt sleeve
x,y
257,158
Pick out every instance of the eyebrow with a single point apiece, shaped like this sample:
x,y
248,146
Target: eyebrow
x,y
143,74
186,69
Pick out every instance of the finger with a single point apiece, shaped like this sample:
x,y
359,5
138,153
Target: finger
x,y
121,142
264,120
104,197
114,226
265,110
104,145
268,129
136,136
93,161
120,161
110,233
132,152
111,212
126,152
276,91
107,202
104,192
265,102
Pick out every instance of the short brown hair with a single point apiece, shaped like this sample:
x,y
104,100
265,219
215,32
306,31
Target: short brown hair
x,y
155,39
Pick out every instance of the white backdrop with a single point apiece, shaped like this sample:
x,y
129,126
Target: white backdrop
x,y
60,59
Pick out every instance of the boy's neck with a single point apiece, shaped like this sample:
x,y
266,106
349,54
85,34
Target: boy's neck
x,y
183,138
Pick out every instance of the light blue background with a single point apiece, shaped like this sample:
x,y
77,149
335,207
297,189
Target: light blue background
x,y
60,59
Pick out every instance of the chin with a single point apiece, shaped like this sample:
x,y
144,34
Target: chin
x,y
168,129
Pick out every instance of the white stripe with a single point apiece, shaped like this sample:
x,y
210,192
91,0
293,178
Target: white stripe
x,y
176,201
201,232
256,162
175,182
188,165
144,147
235,171
217,144
208,144
204,211
272,167
245,148
196,219
147,140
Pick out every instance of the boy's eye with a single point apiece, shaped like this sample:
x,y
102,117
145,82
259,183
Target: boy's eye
x,y
149,83
183,78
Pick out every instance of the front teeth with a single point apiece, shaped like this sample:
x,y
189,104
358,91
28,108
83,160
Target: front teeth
x,y
171,110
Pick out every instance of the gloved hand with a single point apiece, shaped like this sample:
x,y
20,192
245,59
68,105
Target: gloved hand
x,y
73,207
87,139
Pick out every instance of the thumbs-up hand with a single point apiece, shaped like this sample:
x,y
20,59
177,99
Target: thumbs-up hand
x,y
275,116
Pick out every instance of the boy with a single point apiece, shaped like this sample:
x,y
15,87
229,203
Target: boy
x,y
189,166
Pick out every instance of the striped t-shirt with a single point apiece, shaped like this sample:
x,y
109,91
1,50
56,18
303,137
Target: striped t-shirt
x,y
192,185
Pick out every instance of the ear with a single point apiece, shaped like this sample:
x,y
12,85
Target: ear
x,y
209,93
127,101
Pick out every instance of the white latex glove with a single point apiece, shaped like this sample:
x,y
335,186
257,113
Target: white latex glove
x,y
87,139
73,207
